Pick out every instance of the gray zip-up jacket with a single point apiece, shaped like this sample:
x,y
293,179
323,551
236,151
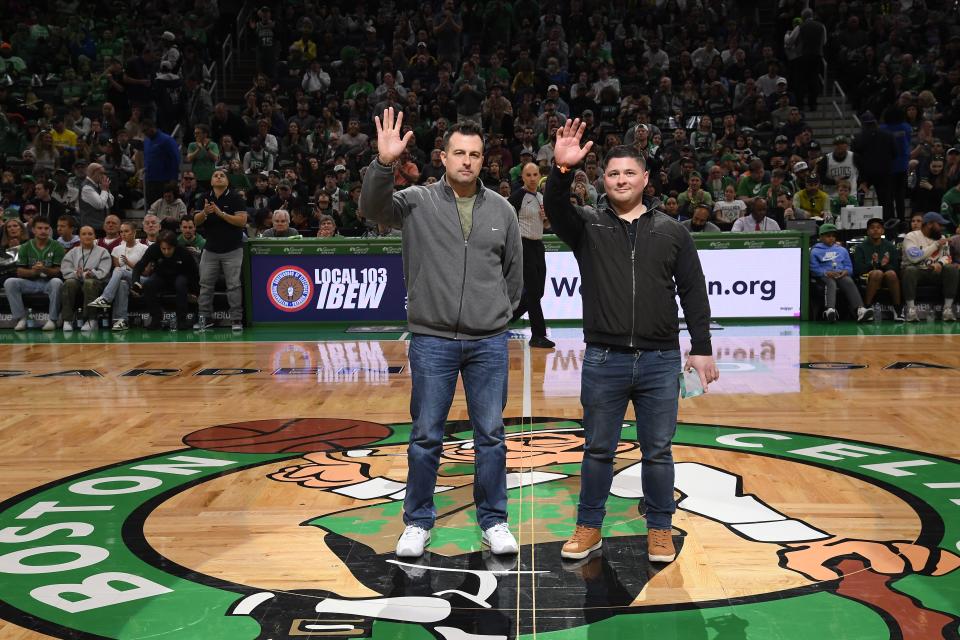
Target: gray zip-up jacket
x,y
97,260
456,288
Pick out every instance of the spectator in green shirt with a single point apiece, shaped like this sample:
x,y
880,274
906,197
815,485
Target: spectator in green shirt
x,y
877,261
38,271
749,186
203,155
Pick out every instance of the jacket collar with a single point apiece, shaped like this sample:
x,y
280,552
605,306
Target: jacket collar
x,y
653,205
449,194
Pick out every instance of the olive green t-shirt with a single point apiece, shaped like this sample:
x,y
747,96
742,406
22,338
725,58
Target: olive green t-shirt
x,y
465,207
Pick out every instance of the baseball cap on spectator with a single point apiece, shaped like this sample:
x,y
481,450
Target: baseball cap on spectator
x,y
782,81
933,216
814,145
841,140
60,171
339,168
813,179
728,156
827,228
553,87
273,172
263,174
27,208
168,36
868,118
800,166
781,138
27,178
952,151
421,44
694,174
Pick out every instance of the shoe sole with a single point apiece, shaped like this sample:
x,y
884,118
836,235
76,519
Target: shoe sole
x,y
663,558
414,555
580,555
486,543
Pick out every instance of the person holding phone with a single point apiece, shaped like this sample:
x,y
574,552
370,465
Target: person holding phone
x,y
634,259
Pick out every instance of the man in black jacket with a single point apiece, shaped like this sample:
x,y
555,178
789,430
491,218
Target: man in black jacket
x,y
874,151
173,269
634,260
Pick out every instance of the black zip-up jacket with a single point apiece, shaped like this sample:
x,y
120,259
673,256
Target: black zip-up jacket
x,y
180,263
629,289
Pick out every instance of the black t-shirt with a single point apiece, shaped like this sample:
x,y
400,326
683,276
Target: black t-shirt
x,y
222,237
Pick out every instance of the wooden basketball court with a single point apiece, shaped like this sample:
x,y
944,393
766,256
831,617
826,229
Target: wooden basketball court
x,y
213,486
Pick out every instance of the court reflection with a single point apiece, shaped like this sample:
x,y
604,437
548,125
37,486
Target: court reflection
x,y
756,359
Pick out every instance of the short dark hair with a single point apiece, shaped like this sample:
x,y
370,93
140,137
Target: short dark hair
x,y
65,218
702,206
39,220
625,151
167,237
465,128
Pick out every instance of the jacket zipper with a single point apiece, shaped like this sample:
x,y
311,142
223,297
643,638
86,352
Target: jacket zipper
x,y
633,284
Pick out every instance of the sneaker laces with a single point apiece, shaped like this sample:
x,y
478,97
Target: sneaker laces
x,y
499,529
581,533
660,536
412,532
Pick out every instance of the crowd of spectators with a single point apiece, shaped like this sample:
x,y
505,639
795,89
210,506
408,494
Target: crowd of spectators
x,y
105,109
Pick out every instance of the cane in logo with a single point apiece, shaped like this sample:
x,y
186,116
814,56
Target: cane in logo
x,y
112,553
289,289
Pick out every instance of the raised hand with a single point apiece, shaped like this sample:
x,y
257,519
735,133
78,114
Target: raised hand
x,y
566,150
389,143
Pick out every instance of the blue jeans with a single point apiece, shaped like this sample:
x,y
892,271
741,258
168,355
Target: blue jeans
x,y
610,379
16,287
435,364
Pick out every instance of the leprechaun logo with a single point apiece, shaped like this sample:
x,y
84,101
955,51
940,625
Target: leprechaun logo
x,y
286,528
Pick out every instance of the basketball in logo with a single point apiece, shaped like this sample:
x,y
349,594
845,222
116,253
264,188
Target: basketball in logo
x,y
289,289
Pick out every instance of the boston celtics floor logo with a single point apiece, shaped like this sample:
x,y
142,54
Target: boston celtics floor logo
x,y
201,543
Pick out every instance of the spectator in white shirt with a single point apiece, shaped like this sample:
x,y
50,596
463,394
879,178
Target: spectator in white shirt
x,y
757,220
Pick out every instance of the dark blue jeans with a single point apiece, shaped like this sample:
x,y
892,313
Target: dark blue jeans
x,y
610,380
435,364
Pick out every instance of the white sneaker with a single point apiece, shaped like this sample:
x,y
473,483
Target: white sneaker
x,y
911,315
89,325
67,326
100,303
949,315
120,325
21,324
499,539
830,315
864,314
412,541
50,325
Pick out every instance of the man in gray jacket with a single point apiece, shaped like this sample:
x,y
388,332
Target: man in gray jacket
x,y
462,262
